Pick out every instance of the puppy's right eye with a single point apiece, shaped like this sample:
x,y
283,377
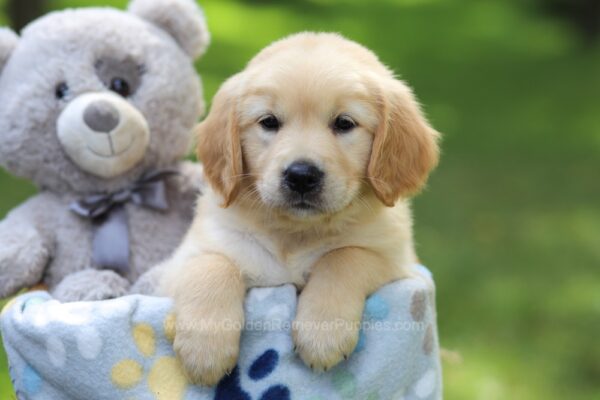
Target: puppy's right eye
x,y
270,123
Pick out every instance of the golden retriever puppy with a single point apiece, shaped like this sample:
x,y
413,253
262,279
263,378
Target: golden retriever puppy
x,y
310,154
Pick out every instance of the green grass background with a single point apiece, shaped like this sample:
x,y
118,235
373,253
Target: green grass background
x,y
510,223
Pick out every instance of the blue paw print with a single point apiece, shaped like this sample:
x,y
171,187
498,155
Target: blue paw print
x,y
376,309
230,387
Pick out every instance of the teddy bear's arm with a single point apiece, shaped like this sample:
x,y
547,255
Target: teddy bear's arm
x,y
91,285
148,283
24,249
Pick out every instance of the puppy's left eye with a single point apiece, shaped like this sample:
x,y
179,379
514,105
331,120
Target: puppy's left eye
x,y
344,124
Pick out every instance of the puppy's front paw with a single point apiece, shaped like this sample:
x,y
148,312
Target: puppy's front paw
x,y
207,353
323,341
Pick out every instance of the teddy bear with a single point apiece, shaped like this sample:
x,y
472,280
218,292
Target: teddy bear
x,y
97,109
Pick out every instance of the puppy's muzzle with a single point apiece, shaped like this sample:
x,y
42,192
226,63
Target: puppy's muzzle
x,y
303,177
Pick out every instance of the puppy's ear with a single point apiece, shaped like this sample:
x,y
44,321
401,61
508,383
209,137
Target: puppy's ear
x,y
8,42
405,148
182,19
219,146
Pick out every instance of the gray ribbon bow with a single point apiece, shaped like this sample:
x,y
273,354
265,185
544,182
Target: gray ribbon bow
x,y
110,247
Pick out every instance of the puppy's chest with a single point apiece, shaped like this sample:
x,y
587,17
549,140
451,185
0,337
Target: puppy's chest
x,y
270,260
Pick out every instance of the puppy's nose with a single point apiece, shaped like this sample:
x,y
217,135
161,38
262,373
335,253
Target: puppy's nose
x,y
303,177
101,116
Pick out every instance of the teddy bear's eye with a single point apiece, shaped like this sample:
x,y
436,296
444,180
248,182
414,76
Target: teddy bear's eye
x,y
61,91
120,86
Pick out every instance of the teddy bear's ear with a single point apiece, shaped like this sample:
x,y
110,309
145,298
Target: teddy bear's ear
x,y
8,42
182,19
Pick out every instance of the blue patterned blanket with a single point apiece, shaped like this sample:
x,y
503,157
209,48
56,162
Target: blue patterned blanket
x,y
122,349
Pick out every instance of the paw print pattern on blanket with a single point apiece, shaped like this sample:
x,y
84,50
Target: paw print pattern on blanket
x,y
165,377
230,387
122,349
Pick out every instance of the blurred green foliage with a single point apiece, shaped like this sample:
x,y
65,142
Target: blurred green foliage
x,y
510,223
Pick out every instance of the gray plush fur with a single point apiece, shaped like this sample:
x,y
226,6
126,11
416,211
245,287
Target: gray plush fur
x,y
41,241
180,19
8,42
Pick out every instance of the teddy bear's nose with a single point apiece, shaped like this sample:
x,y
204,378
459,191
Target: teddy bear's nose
x,y
101,116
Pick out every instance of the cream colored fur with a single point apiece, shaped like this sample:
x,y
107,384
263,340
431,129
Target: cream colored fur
x,y
244,235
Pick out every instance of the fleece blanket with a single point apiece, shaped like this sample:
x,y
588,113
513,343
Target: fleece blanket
x,y
122,349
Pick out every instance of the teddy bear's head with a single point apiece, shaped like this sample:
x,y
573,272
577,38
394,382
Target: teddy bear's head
x,y
90,99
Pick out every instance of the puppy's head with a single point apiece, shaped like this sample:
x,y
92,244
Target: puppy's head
x,y
313,123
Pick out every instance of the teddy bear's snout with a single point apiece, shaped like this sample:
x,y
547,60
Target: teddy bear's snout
x,y
101,116
103,133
